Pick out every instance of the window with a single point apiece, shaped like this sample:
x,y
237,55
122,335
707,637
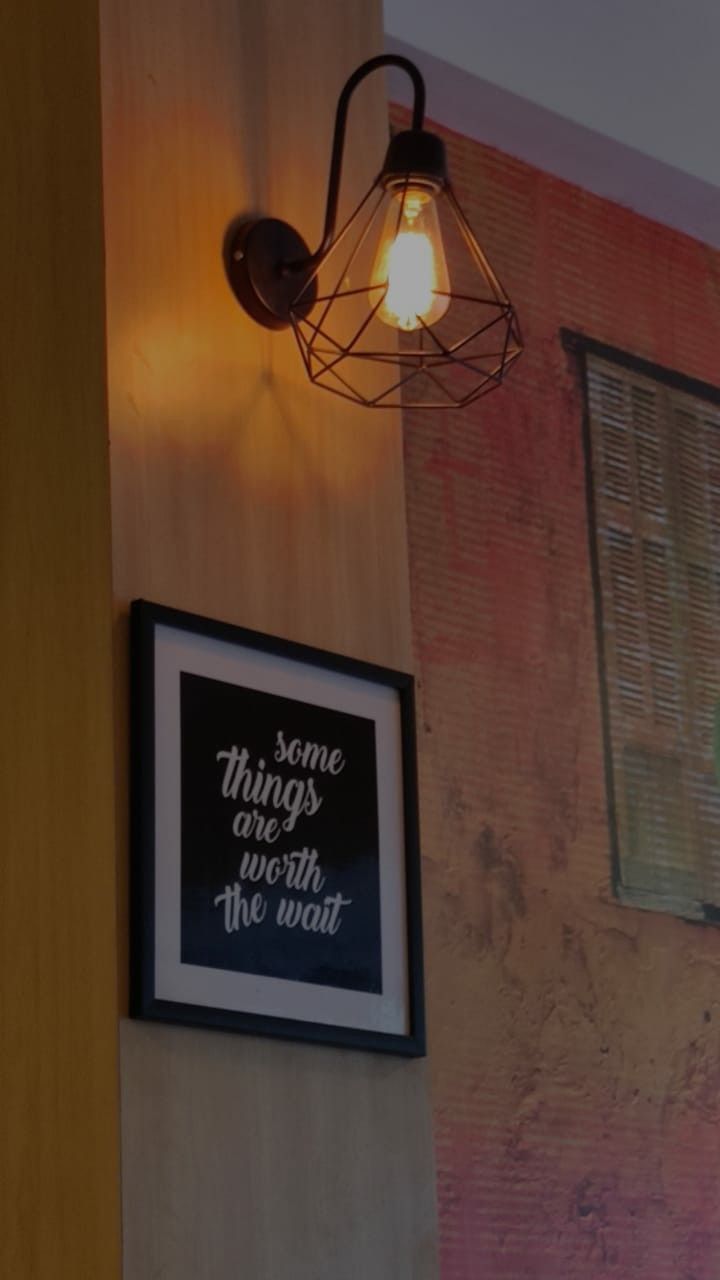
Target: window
x,y
653,452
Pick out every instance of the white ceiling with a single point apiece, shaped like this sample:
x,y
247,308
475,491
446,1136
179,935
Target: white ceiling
x,y
645,73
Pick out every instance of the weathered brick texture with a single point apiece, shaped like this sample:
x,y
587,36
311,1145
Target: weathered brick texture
x,y
575,1043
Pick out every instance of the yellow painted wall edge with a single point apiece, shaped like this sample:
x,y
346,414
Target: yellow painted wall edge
x,y
59,1156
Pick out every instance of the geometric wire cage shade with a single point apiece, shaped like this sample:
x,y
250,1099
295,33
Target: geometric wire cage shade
x,y
399,308
348,349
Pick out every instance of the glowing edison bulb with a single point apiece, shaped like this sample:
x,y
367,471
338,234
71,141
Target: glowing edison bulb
x,y
410,263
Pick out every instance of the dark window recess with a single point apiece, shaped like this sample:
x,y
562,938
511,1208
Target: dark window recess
x,y
654,489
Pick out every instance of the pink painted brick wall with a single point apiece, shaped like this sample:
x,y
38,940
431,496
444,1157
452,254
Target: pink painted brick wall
x,y
574,1043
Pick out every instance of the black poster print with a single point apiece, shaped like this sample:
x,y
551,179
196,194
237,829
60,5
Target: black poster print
x,y
280,848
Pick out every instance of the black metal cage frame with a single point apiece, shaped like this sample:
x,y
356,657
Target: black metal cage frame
x,y
276,277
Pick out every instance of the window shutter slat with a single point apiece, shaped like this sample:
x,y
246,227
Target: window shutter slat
x,y
607,400
648,451
657,827
664,645
691,481
656,479
711,427
706,805
624,618
702,642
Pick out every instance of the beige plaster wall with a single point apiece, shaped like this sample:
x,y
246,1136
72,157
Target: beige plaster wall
x,y
241,493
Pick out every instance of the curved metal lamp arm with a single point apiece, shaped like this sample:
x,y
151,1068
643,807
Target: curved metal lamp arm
x,y
338,143
269,266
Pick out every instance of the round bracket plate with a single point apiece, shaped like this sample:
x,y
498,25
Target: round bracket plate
x,y
257,261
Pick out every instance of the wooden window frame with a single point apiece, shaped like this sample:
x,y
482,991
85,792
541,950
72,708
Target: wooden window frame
x,y
582,347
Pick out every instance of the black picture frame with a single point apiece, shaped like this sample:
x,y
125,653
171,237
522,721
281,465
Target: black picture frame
x,y
191,678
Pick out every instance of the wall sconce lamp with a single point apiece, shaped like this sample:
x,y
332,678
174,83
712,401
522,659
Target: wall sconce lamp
x,y
373,309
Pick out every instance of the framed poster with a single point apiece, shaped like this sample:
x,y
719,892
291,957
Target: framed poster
x,y
275,860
